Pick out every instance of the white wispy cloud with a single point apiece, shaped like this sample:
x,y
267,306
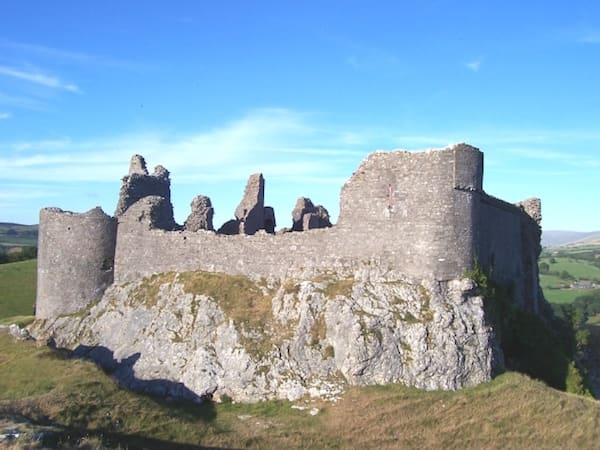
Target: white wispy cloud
x,y
298,153
474,65
279,141
5,115
73,57
39,78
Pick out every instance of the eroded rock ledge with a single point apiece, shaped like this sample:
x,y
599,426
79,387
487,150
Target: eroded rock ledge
x,y
196,334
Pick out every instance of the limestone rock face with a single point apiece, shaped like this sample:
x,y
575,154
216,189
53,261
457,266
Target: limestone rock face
x,y
307,216
177,335
201,216
250,212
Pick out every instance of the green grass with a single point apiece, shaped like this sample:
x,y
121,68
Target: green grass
x,y
564,295
17,288
580,269
41,387
556,289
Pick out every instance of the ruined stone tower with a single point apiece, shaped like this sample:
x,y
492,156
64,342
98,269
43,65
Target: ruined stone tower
x,y
75,260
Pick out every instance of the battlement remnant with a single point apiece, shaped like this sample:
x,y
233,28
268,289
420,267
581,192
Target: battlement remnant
x,y
306,216
152,212
201,216
251,215
251,211
139,184
533,207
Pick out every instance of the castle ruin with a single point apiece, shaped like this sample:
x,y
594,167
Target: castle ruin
x,y
422,218
423,214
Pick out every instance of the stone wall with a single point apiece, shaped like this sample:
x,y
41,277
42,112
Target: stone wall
x,y
508,247
423,215
405,206
75,260
400,209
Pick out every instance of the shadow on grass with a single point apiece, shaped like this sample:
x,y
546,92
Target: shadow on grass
x,y
123,372
170,394
52,435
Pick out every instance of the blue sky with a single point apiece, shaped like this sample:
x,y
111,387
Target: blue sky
x,y
300,91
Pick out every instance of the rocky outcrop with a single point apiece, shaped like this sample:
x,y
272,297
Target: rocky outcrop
x,y
306,216
139,184
201,216
200,333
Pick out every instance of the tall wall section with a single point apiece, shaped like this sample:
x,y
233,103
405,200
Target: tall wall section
x,y
508,247
75,260
415,208
410,212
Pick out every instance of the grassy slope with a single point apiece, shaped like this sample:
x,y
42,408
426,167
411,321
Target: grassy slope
x,y
40,386
17,288
580,269
22,234
43,387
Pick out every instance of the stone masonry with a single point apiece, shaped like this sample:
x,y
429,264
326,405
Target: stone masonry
x,y
423,214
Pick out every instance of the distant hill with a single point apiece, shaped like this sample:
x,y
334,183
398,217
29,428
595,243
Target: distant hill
x,y
555,238
16,235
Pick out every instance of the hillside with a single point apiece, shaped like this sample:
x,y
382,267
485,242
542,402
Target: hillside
x,y
71,403
14,234
567,272
556,238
